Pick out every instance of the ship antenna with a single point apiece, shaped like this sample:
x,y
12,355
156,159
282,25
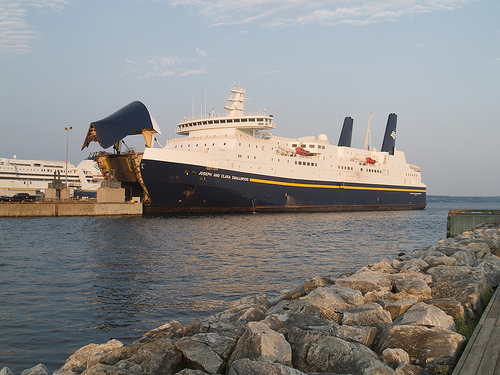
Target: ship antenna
x,y
368,138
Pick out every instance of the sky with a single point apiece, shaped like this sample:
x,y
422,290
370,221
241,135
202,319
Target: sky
x,y
309,63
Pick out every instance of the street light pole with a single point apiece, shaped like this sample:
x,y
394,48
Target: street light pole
x,y
67,139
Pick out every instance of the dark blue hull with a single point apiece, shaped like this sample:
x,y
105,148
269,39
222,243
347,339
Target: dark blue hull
x,y
175,187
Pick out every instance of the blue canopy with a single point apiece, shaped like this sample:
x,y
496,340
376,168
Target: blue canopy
x,y
134,118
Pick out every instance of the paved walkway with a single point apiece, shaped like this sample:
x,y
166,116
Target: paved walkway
x,y
482,353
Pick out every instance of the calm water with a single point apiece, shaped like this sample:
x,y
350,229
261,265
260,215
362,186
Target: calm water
x,y
67,282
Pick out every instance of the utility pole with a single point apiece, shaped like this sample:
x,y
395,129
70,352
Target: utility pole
x,y
67,140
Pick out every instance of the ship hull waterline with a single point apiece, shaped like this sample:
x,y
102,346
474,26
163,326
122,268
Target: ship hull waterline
x,y
186,188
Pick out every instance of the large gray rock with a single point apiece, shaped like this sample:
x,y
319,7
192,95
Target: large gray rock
x,y
449,305
465,284
171,330
413,287
246,366
425,346
77,362
261,343
407,369
283,323
159,357
39,369
6,371
330,300
206,351
305,288
190,371
366,281
316,352
394,357
490,264
415,264
366,315
398,306
363,335
422,314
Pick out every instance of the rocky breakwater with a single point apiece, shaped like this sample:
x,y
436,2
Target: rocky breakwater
x,y
394,317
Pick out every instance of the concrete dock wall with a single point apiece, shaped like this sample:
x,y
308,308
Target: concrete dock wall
x,y
37,209
462,220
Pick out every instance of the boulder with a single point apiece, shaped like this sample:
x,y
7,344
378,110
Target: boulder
x,y
449,305
425,346
464,258
422,314
77,362
415,288
246,366
206,351
359,334
394,357
39,369
305,288
159,357
384,266
465,284
366,315
171,330
376,296
283,323
316,352
365,282
190,371
490,264
261,343
330,300
6,371
415,264
407,369
397,307
433,259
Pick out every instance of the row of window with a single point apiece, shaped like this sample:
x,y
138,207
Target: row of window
x,y
224,121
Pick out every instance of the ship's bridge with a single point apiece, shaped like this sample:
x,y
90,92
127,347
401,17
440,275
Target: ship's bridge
x,y
248,122
234,117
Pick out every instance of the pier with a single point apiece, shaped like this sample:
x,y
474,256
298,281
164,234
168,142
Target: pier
x,y
462,220
40,209
482,353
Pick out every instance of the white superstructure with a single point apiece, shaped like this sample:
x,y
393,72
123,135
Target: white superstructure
x,y
22,175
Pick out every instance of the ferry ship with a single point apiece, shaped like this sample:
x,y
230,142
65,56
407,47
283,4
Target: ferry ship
x,y
34,176
233,163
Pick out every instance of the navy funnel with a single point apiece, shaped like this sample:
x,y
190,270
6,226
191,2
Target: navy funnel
x,y
346,134
389,143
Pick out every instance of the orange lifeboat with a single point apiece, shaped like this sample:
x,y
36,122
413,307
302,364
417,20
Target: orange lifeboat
x,y
369,160
301,151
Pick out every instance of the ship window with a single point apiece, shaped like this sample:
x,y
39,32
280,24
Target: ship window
x,y
262,148
186,173
294,145
300,163
236,120
311,146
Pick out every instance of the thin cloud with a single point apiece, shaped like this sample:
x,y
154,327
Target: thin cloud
x,y
288,13
163,66
16,35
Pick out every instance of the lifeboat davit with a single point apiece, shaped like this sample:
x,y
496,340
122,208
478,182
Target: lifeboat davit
x,y
301,151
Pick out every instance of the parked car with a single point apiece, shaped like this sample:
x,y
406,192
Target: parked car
x,y
4,198
21,197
